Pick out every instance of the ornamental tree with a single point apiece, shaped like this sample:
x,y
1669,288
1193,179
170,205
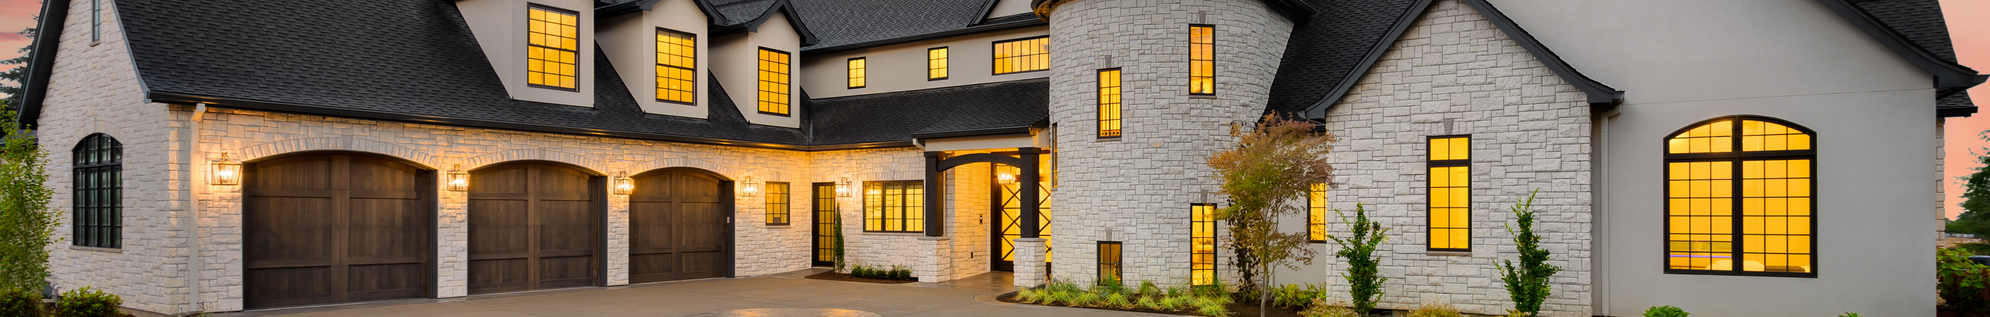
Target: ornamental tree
x,y
1263,172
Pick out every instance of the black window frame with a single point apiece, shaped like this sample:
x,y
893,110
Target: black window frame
x,y
785,204
1192,60
947,64
1316,208
579,67
849,73
693,69
1429,198
1738,157
97,194
96,21
905,216
788,103
1215,246
1116,264
994,48
1119,104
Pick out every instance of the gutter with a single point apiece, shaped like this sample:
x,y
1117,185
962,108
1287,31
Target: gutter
x,y
969,30
976,132
218,102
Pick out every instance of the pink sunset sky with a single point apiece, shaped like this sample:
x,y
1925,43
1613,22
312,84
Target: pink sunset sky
x,y
1968,20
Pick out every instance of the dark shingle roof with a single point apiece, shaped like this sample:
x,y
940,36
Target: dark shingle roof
x,y
1325,49
1922,23
740,11
875,117
842,22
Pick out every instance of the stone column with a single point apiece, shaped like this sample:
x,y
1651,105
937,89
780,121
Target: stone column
x,y
618,238
935,265
452,276
1030,269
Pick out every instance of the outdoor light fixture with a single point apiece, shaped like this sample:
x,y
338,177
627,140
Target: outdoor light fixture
x,y
624,185
843,187
749,187
457,179
225,172
1006,178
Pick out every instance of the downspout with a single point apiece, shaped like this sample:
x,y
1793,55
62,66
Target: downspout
x,y
194,263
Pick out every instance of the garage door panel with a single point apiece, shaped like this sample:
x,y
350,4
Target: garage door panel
x,y
509,179
386,278
649,226
678,227
309,241
703,224
643,265
499,275
562,184
386,228
303,172
289,229
384,176
500,226
539,228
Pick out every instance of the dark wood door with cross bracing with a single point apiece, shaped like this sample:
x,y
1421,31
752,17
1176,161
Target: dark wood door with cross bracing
x,y
535,226
680,226
336,227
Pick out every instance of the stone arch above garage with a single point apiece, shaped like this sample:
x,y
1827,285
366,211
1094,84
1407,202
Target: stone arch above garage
x,y
272,149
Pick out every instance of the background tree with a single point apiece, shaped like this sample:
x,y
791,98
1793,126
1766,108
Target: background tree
x,y
1975,218
1268,168
1527,282
26,222
16,73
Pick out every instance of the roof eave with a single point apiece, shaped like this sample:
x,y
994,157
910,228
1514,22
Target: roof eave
x,y
41,65
1025,129
794,20
1296,10
1947,74
928,36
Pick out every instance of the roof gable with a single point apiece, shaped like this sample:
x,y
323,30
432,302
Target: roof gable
x,y
742,20
1915,30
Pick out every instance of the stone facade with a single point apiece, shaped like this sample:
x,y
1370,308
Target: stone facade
x,y
1137,188
1453,73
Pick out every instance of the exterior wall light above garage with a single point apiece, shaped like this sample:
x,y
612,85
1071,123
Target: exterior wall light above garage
x,y
623,184
225,172
749,187
457,180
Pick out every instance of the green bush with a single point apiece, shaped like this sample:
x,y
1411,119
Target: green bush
x,y
1147,288
1292,295
88,302
1320,308
19,302
895,273
26,222
1212,306
1435,310
1528,281
1364,277
1849,314
1961,282
1665,311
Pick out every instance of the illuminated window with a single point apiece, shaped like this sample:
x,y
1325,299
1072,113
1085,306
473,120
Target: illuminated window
x,y
896,206
1772,164
1202,244
97,192
1015,56
1202,60
777,203
1316,212
773,82
1450,193
553,43
1109,261
96,20
1109,103
676,66
936,63
856,72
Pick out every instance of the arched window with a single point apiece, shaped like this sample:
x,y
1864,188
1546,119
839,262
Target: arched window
x,y
97,192
1739,198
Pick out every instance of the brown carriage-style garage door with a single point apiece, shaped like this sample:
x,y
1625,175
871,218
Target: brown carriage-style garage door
x,y
336,227
534,226
679,226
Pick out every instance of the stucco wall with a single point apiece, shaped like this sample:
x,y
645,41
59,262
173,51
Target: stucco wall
x,y
1453,73
501,28
735,60
1138,188
902,67
630,42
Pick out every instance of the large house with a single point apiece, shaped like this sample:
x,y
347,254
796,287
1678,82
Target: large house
x,y
1734,158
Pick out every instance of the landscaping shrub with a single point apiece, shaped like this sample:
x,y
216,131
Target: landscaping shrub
x,y
896,272
26,222
88,302
1665,311
1527,282
1962,282
1849,314
1292,295
1212,306
20,302
1147,288
836,229
1363,275
1435,310
1320,308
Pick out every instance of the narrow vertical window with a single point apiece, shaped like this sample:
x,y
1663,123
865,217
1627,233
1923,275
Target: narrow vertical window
x,y
1316,212
1109,103
97,192
1766,176
1109,261
96,20
553,44
936,63
1202,60
777,203
895,206
856,73
1202,242
676,66
1450,193
1022,55
773,82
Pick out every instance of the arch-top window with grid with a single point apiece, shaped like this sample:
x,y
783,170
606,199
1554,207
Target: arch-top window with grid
x,y
676,66
553,44
97,192
1740,198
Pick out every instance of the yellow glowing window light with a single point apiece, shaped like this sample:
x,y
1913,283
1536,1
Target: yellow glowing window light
x,y
1450,194
773,97
1023,55
676,66
936,63
1766,177
1202,60
895,206
856,72
553,44
1202,244
777,203
1109,115
1316,212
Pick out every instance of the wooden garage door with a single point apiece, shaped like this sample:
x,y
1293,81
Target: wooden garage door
x,y
680,226
331,228
534,226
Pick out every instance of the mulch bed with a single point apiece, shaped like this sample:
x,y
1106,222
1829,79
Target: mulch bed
x,y
833,276
1236,309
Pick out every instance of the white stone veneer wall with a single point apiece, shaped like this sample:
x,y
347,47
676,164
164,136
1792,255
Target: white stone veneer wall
x,y
1137,189
1451,73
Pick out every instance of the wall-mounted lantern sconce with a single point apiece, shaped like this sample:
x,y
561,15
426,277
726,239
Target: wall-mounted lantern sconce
x,y
456,179
225,172
843,187
623,184
1005,178
749,187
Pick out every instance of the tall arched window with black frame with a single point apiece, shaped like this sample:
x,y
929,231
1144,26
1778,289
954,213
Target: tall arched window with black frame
x,y
1739,198
97,192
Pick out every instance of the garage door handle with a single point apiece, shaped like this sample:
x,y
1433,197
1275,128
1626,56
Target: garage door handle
x,y
728,220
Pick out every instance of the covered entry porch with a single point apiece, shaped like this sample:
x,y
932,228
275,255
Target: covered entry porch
x,y
988,207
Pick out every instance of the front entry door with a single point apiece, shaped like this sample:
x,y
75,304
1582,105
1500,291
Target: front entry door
x,y
680,226
825,225
1008,215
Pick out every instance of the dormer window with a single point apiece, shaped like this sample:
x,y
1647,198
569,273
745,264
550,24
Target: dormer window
x,y
554,45
676,66
773,82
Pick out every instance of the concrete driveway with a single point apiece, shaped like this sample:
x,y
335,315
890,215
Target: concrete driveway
x,y
786,294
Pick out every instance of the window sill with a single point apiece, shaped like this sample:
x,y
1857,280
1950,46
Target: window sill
x,y
1448,253
1109,138
1196,96
780,225
892,233
96,249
